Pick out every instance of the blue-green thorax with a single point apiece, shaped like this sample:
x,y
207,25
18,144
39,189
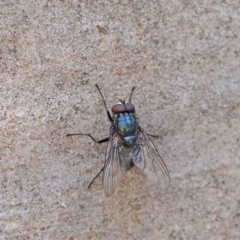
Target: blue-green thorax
x,y
126,125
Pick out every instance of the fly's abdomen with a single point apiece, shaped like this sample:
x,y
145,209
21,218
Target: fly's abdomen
x,y
127,126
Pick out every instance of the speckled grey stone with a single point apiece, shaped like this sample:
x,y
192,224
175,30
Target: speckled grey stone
x,y
183,59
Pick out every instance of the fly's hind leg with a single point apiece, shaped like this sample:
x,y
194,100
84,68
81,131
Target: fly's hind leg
x,y
95,177
100,141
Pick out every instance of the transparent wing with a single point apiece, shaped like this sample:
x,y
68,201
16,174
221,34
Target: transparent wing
x,y
149,161
112,173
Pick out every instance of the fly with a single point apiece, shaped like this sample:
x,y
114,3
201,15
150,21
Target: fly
x,y
128,146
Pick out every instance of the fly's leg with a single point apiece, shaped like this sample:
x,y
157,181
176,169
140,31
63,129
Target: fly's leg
x,y
152,135
108,114
100,141
89,135
130,98
95,177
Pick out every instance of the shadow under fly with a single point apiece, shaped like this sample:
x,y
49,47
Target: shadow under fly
x,y
128,146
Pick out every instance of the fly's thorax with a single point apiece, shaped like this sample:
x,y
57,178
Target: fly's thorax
x,y
126,125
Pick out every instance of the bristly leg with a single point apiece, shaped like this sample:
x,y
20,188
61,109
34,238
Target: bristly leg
x,y
95,177
100,141
89,135
131,94
152,135
108,114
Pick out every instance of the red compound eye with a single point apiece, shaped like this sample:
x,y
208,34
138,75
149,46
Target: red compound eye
x,y
130,107
120,108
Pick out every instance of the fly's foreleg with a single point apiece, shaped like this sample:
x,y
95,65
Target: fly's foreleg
x,y
105,105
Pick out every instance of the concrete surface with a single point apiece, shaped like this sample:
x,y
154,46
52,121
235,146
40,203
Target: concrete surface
x,y
183,58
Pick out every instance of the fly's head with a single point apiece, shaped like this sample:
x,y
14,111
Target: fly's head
x,y
122,107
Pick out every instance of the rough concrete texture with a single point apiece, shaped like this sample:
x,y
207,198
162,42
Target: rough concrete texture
x,y
183,58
